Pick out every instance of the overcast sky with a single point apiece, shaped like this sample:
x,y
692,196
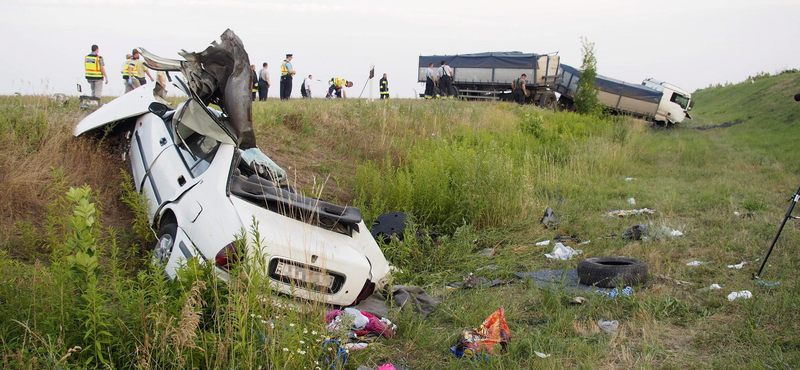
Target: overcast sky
x,y
689,43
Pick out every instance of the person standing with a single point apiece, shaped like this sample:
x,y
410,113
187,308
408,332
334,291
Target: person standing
x,y
430,81
445,74
253,81
141,69
518,89
336,87
129,73
95,71
384,87
287,72
305,89
161,85
263,83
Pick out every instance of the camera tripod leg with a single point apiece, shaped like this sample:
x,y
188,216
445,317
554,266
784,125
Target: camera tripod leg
x,y
792,203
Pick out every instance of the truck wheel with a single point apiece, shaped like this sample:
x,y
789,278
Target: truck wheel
x,y
548,101
608,272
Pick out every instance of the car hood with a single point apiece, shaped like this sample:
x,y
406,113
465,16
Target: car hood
x,y
132,104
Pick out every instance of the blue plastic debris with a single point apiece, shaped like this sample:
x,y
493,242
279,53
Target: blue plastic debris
x,y
614,293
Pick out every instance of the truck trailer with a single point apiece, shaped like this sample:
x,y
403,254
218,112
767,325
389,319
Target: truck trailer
x,y
488,76
655,101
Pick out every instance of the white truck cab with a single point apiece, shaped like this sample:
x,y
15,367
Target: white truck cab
x,y
675,102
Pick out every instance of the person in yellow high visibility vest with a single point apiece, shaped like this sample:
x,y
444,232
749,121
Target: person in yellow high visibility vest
x,y
336,85
287,72
95,71
384,87
129,73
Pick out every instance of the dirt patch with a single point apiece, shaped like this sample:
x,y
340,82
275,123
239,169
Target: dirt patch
x,y
724,125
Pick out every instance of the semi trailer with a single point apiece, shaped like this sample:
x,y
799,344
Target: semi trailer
x,y
488,76
656,101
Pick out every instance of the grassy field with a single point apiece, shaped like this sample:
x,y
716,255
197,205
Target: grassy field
x,y
479,174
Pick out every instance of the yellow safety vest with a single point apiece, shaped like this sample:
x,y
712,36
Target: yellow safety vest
x,y
284,70
255,82
127,71
93,67
338,82
384,87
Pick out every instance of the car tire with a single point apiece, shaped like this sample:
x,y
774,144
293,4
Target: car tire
x,y
164,244
608,272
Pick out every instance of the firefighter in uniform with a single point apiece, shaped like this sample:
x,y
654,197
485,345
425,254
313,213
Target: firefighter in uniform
x,y
336,85
95,71
254,81
287,72
384,87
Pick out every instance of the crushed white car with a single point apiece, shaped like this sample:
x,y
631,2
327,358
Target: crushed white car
x,y
204,190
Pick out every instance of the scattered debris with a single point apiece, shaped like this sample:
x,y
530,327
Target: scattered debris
x,y
492,332
737,266
696,263
401,298
636,232
562,252
384,367
566,239
743,215
631,212
488,252
473,281
673,280
487,267
632,201
614,293
768,285
711,287
542,355
609,327
543,243
549,219
565,280
723,125
744,294
578,300
584,243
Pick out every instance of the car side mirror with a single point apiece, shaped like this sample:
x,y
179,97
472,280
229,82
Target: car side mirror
x,y
158,109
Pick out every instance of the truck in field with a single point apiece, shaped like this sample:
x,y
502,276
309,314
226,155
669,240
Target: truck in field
x,y
488,76
655,101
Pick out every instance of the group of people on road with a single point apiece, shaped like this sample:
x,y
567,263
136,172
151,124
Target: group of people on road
x,y
134,73
439,82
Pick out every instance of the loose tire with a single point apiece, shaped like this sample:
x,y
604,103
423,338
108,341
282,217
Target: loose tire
x,y
608,272
548,101
165,242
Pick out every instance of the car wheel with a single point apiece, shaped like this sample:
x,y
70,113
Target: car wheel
x,y
162,248
608,272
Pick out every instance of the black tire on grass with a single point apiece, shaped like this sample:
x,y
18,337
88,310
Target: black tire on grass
x,y
608,272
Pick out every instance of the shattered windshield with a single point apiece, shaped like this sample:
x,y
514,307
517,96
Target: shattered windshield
x,y
679,99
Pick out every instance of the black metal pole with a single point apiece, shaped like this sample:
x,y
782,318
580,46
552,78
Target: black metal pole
x,y
792,202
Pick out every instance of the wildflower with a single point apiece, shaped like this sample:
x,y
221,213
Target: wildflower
x,y
305,331
252,315
302,342
259,316
285,349
263,321
291,324
301,352
313,332
272,325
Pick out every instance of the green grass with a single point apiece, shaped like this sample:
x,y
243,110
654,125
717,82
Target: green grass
x,y
480,174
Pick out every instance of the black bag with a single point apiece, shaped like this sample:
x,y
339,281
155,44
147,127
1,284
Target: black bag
x,y
303,89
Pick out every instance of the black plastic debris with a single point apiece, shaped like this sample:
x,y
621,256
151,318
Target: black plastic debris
x,y
389,225
635,233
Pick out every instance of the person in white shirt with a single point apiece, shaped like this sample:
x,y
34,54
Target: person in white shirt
x,y
263,82
306,88
430,81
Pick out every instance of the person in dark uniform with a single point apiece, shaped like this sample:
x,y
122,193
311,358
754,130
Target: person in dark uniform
x,y
384,87
253,81
263,83
430,81
445,79
287,72
519,90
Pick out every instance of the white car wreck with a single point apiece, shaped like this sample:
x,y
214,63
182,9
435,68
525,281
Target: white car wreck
x,y
204,190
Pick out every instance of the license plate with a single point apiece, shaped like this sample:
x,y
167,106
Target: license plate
x,y
303,274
